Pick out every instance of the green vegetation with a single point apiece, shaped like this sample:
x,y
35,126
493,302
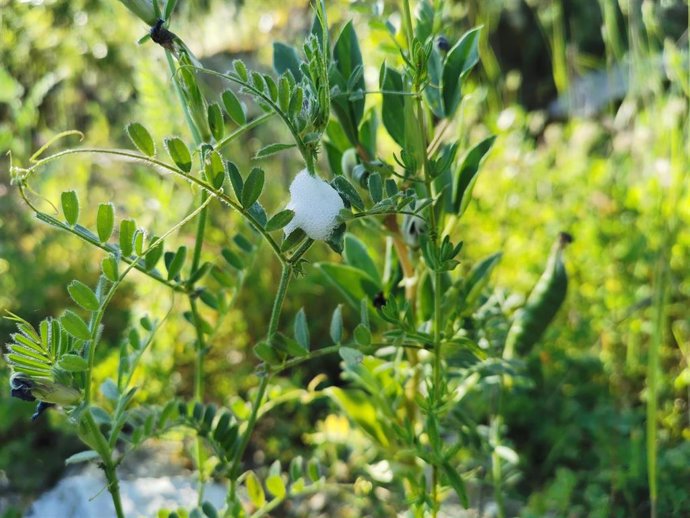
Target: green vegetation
x,y
442,346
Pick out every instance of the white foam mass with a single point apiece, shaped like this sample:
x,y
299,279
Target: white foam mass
x,y
316,205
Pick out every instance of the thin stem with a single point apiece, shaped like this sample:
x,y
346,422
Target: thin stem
x,y
285,276
101,446
199,353
199,238
114,489
433,234
278,302
200,343
657,341
496,468
407,21
239,131
438,326
180,96
304,247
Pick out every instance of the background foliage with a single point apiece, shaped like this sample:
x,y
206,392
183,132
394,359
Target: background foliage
x,y
614,176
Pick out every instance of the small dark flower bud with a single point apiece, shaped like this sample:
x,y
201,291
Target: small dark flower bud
x,y
40,408
379,300
21,387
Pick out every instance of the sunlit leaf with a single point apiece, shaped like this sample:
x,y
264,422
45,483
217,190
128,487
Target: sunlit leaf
x,y
75,326
83,295
466,175
141,138
254,490
179,153
215,121
460,59
105,221
73,363
234,107
271,150
276,486
70,207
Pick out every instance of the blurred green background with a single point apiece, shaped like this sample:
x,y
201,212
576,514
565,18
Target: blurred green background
x,y
589,100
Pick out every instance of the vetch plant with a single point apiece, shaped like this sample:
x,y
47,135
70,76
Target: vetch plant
x,y
413,357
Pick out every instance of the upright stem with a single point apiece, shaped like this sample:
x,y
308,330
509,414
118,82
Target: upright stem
x,y
101,446
433,234
407,21
114,489
200,344
278,302
660,301
263,384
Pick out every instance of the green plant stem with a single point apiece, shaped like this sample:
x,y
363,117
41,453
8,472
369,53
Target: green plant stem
x,y
437,375
240,131
180,96
433,234
199,353
304,247
407,23
285,276
114,489
652,378
109,469
200,343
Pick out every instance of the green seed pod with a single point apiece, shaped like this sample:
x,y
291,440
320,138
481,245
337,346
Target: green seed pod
x,y
543,303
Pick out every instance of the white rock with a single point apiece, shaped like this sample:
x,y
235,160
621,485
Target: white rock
x,y
84,496
316,205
